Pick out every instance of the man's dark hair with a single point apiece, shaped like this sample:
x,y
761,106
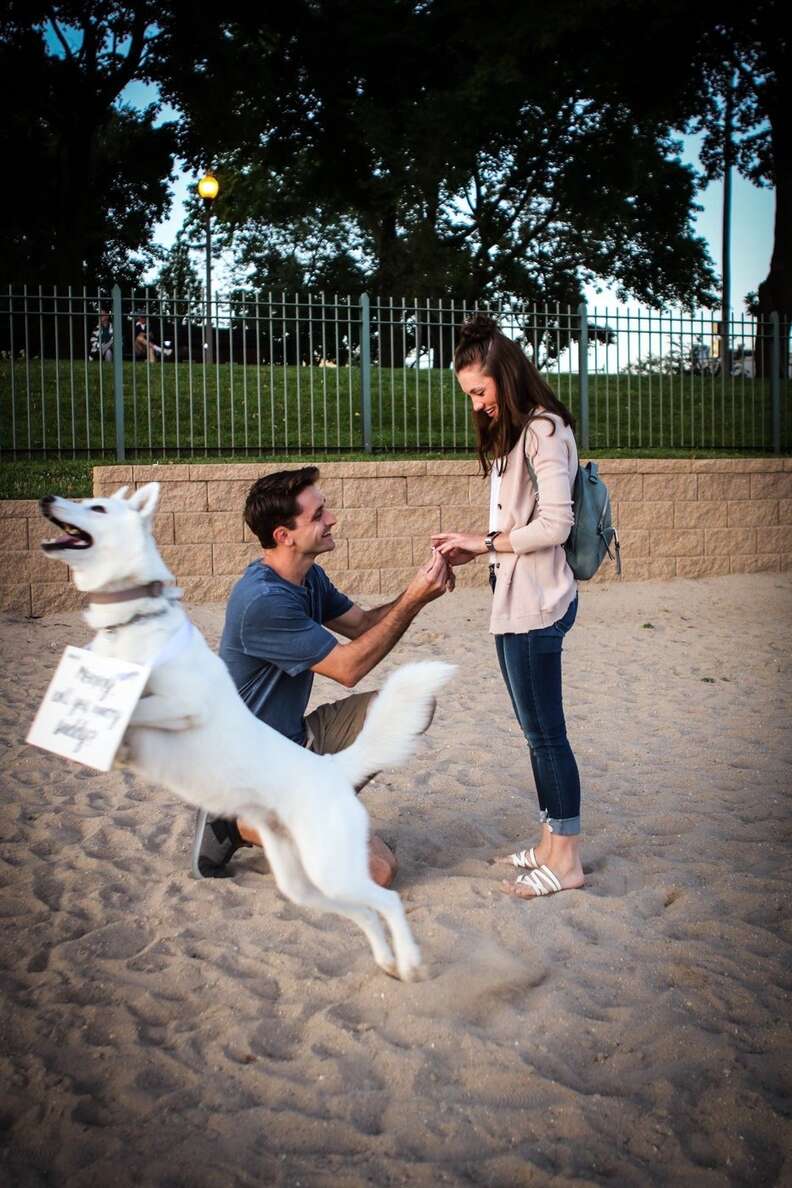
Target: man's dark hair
x,y
272,502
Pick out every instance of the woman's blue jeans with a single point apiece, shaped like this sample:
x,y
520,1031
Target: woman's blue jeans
x,y
531,667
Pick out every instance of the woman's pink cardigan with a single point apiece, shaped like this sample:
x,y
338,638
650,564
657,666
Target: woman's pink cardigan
x,y
535,586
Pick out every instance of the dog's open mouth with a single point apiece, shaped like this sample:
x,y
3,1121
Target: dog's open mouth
x,y
75,538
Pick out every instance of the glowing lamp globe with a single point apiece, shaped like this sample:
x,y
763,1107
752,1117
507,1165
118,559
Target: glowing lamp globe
x,y
208,187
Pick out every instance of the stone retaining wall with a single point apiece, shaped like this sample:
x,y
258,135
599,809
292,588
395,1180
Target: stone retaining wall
x,y
676,518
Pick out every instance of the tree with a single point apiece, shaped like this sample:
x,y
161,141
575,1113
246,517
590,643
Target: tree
x,y
178,283
90,172
490,168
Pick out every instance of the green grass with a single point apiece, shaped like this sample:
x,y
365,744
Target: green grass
x,y
231,413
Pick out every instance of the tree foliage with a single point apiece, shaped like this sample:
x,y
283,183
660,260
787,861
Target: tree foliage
x,y
90,172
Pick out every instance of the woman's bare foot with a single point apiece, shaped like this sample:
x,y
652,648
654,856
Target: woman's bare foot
x,y
563,860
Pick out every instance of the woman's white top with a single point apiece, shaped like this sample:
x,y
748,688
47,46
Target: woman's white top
x,y
495,486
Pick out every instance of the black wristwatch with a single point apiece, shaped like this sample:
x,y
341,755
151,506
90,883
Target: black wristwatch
x,y
489,541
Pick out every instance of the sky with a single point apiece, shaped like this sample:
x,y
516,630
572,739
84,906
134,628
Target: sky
x,y
752,219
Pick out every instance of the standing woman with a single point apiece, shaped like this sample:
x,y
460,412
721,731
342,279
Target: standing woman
x,y
527,446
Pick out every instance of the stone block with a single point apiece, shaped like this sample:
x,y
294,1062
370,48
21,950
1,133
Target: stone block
x,y
162,472
226,495
118,476
359,581
337,558
677,542
724,465
15,533
471,576
626,487
438,490
646,515
39,530
776,539
163,528
380,553
701,514
211,527
762,563
785,511
465,518
663,466
13,509
752,513
47,597
670,486
724,542
195,560
412,521
608,466
333,491
409,468
385,492
478,491
662,568
698,567
393,581
634,569
786,563
355,522
453,466
207,589
220,472
15,598
771,486
724,486
230,558
182,496
41,567
634,542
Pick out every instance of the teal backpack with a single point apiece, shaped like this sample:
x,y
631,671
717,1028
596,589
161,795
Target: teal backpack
x,y
593,532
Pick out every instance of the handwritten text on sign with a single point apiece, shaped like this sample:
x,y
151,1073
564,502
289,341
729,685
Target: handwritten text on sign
x,y
87,707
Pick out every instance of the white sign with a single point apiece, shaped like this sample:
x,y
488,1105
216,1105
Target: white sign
x,y
87,707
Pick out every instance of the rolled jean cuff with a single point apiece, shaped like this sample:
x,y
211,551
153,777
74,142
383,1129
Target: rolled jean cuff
x,y
564,827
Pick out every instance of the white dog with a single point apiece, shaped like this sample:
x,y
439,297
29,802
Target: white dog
x,y
192,732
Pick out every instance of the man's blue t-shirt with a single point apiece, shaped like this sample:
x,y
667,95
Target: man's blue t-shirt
x,y
273,635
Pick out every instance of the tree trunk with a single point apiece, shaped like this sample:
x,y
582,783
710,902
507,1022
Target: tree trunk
x,y
775,292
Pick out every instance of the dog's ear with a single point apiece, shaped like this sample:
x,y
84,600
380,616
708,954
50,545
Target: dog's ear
x,y
145,500
120,493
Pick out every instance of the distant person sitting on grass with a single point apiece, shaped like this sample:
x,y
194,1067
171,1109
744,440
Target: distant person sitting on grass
x,y
145,346
277,634
102,338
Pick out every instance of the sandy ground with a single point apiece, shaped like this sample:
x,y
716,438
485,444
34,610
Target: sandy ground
x,y
163,1032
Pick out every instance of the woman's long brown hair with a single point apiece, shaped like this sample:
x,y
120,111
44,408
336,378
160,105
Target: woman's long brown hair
x,y
522,393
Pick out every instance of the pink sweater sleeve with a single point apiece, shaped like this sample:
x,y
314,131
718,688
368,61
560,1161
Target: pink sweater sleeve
x,y
552,522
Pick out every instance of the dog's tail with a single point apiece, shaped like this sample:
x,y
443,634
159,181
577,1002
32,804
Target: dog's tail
x,y
402,710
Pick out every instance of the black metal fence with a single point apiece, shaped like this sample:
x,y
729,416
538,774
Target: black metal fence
x,y
91,373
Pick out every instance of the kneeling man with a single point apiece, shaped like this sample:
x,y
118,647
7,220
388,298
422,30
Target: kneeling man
x,y
277,634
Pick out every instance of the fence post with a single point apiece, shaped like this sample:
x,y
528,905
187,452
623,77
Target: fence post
x,y
365,371
118,373
775,379
583,344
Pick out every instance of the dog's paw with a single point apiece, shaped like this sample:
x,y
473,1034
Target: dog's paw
x,y
414,973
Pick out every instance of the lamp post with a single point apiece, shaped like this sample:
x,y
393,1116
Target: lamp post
x,y
208,187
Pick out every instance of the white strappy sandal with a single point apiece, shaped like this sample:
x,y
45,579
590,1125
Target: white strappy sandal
x,y
524,859
541,881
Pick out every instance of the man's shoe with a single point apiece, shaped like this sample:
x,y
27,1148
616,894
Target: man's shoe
x,y
220,841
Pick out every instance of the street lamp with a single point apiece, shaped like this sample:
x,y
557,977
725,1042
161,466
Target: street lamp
x,y
208,187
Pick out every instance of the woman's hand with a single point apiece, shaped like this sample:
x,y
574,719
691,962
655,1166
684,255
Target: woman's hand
x,y
458,548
